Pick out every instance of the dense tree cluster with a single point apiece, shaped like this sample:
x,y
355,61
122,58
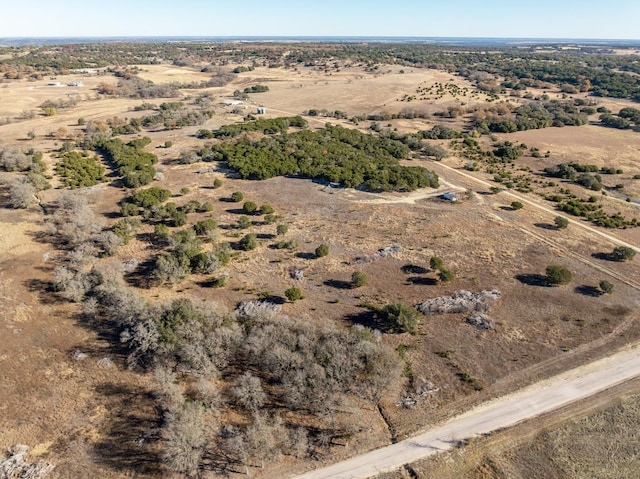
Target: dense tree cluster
x,y
132,163
334,154
79,169
268,127
623,120
256,89
533,116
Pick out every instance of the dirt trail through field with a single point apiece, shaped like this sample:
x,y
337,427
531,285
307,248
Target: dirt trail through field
x,y
544,208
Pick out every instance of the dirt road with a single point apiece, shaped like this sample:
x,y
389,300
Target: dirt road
x,y
527,403
543,208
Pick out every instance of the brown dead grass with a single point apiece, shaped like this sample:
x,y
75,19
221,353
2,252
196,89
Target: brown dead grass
x,y
90,420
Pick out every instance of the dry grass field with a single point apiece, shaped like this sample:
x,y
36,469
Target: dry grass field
x,y
93,418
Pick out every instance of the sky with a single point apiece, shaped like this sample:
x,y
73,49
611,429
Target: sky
x,y
597,19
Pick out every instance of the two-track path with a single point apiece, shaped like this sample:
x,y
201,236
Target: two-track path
x,y
530,402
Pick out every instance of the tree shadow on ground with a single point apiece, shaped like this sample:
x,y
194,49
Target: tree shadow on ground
x,y
131,429
367,318
236,211
265,236
45,291
587,290
545,226
603,256
532,279
336,283
422,281
142,276
306,255
414,269
370,319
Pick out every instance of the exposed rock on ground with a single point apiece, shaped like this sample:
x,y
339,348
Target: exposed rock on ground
x,y
460,302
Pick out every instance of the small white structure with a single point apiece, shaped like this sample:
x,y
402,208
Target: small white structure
x,y
233,102
261,110
75,83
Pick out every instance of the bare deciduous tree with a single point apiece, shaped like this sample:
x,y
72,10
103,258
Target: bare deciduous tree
x,y
184,440
21,193
249,392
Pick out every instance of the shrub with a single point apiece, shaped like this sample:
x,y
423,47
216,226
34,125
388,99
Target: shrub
x,y
161,231
435,151
606,287
244,222
558,275
358,279
516,205
561,222
248,242
206,207
293,294
237,196
623,253
266,210
179,218
401,318
322,251
282,230
436,263
204,226
288,244
217,183
150,196
126,228
129,209
445,275
249,207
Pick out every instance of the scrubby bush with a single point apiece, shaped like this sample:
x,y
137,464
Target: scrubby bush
x,y
322,251
623,253
150,196
293,294
436,263
558,275
606,287
248,242
244,222
561,222
21,193
400,318
249,207
445,275
204,226
358,279
237,196
266,210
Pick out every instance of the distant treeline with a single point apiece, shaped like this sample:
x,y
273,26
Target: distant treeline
x,y
588,69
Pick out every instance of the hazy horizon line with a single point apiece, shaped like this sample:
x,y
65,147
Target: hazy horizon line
x,y
319,38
